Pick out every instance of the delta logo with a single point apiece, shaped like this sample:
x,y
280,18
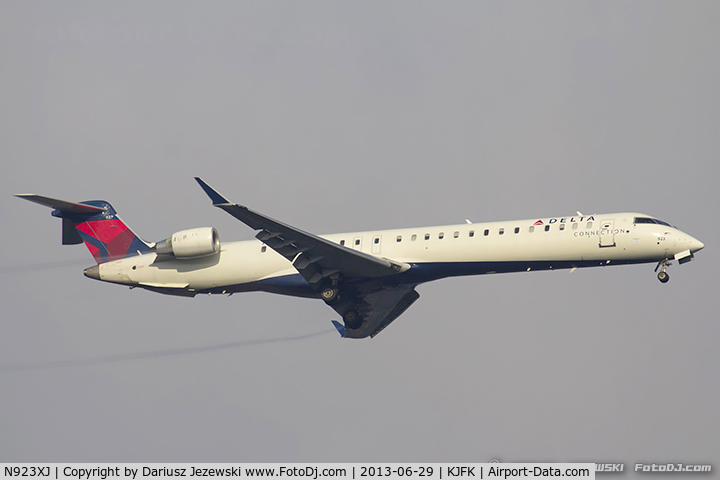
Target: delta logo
x,y
566,220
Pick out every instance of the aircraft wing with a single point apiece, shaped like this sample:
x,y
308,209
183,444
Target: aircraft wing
x,y
378,309
314,257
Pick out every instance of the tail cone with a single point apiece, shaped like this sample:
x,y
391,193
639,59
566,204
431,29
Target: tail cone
x,y
93,272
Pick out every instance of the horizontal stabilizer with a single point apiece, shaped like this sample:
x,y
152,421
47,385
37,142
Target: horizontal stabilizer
x,y
61,205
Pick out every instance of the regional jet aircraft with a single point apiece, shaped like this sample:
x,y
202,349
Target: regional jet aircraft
x,y
369,278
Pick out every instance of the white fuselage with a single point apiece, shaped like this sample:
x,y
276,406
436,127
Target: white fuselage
x,y
431,252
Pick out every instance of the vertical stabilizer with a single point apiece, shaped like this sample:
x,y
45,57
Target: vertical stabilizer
x,y
96,224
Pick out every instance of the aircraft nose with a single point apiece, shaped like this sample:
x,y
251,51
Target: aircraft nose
x,y
696,245
92,272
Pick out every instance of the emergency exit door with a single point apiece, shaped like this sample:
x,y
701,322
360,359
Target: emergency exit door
x,y
377,244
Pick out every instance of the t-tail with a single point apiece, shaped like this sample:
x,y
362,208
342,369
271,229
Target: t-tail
x,y
96,224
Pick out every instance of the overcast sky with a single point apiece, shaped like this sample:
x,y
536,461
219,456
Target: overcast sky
x,y
341,116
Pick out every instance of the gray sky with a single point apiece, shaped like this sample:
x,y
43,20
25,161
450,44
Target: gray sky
x,y
350,116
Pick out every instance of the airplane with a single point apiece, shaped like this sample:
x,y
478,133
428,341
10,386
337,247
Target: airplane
x,y
368,278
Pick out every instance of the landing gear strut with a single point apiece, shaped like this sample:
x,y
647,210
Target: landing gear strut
x,y
663,275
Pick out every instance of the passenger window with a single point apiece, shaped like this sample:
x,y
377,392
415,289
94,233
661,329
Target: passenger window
x,y
427,236
547,228
517,229
441,235
263,249
531,229
376,240
399,238
342,242
486,233
472,233
589,225
575,226
501,231
414,237
562,226
357,241
456,234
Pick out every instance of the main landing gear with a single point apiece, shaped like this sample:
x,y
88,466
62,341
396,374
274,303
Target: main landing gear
x,y
352,319
345,304
329,294
663,275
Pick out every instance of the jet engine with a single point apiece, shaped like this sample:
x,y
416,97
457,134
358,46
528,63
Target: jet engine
x,y
193,243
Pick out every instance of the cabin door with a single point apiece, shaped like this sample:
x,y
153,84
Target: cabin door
x,y
607,233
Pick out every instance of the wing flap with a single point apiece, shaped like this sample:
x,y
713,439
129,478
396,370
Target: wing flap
x,y
380,308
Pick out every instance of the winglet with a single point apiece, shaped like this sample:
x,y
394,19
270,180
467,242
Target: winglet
x,y
340,328
214,195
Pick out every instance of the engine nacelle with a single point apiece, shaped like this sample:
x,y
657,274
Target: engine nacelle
x,y
193,243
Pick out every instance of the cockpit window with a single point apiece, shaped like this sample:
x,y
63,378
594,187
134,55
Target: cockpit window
x,y
650,220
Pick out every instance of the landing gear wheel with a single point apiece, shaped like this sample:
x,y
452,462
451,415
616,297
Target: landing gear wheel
x,y
352,319
662,265
329,294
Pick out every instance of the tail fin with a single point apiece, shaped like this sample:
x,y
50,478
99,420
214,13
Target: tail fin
x,y
97,225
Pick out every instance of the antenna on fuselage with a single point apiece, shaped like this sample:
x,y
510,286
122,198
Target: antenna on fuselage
x,y
579,213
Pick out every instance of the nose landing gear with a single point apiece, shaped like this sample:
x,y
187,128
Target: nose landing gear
x,y
663,275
